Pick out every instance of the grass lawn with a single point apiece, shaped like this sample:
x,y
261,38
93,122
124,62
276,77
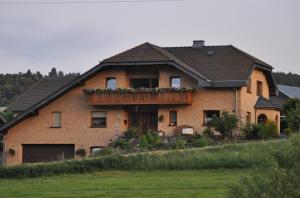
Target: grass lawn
x,y
198,183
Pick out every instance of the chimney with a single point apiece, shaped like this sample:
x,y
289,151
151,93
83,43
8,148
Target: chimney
x,y
198,43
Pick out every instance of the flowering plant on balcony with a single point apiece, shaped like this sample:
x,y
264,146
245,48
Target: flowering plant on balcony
x,y
156,90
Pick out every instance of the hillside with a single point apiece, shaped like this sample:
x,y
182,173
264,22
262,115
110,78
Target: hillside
x,y
13,85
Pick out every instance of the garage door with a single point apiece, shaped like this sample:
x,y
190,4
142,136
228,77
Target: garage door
x,y
47,152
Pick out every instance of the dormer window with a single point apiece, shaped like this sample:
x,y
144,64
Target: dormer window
x,y
111,83
175,82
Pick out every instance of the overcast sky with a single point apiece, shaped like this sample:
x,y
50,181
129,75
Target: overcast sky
x,y
75,37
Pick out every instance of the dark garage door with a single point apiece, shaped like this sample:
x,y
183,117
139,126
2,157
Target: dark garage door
x,y
47,152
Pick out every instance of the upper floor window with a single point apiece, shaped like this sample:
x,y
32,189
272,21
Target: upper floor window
x,y
99,119
209,115
249,86
111,83
173,118
175,82
55,119
259,88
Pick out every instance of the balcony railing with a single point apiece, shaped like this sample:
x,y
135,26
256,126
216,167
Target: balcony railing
x,y
139,97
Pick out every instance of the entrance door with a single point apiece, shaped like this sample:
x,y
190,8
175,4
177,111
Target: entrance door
x,y
144,121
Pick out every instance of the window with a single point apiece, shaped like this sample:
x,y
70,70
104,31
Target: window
x,y
249,86
56,119
209,115
259,89
111,83
96,150
175,82
99,119
262,119
173,118
248,117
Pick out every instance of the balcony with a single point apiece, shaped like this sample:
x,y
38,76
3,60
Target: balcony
x,y
156,96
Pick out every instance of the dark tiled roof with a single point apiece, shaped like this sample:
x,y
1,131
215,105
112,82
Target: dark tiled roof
x,y
145,52
216,63
291,92
39,91
2,120
264,103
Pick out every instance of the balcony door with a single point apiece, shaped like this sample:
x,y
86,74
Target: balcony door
x,y
144,121
143,82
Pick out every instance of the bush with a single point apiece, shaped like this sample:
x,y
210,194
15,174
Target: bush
x,y
251,131
288,132
179,144
201,142
281,179
248,155
149,141
268,130
104,151
225,124
122,143
292,111
131,133
81,152
208,132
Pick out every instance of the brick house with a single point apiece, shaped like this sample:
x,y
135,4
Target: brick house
x,y
148,87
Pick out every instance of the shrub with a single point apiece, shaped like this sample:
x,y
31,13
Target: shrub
x,y
208,132
268,130
288,132
201,142
122,143
251,131
104,151
81,152
282,179
179,144
292,111
248,155
225,124
131,133
149,141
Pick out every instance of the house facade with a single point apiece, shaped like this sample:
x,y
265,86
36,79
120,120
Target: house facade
x,y
147,87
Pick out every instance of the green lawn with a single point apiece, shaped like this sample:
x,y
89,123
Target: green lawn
x,y
200,183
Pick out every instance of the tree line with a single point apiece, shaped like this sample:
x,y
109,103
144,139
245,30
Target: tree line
x,y
12,85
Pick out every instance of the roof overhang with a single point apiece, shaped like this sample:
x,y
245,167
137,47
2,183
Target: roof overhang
x,y
202,81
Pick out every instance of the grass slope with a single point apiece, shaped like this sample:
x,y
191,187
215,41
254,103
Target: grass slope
x,y
201,183
231,156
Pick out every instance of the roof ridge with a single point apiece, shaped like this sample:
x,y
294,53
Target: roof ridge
x,y
145,43
188,46
252,58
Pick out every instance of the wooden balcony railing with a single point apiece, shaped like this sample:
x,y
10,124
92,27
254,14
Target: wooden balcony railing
x,y
140,98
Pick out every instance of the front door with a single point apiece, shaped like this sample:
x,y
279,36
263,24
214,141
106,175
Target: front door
x,y
144,121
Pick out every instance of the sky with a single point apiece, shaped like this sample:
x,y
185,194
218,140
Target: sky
x,y
75,37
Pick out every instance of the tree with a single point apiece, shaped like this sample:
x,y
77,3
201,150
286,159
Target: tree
x,y
292,111
53,72
225,124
